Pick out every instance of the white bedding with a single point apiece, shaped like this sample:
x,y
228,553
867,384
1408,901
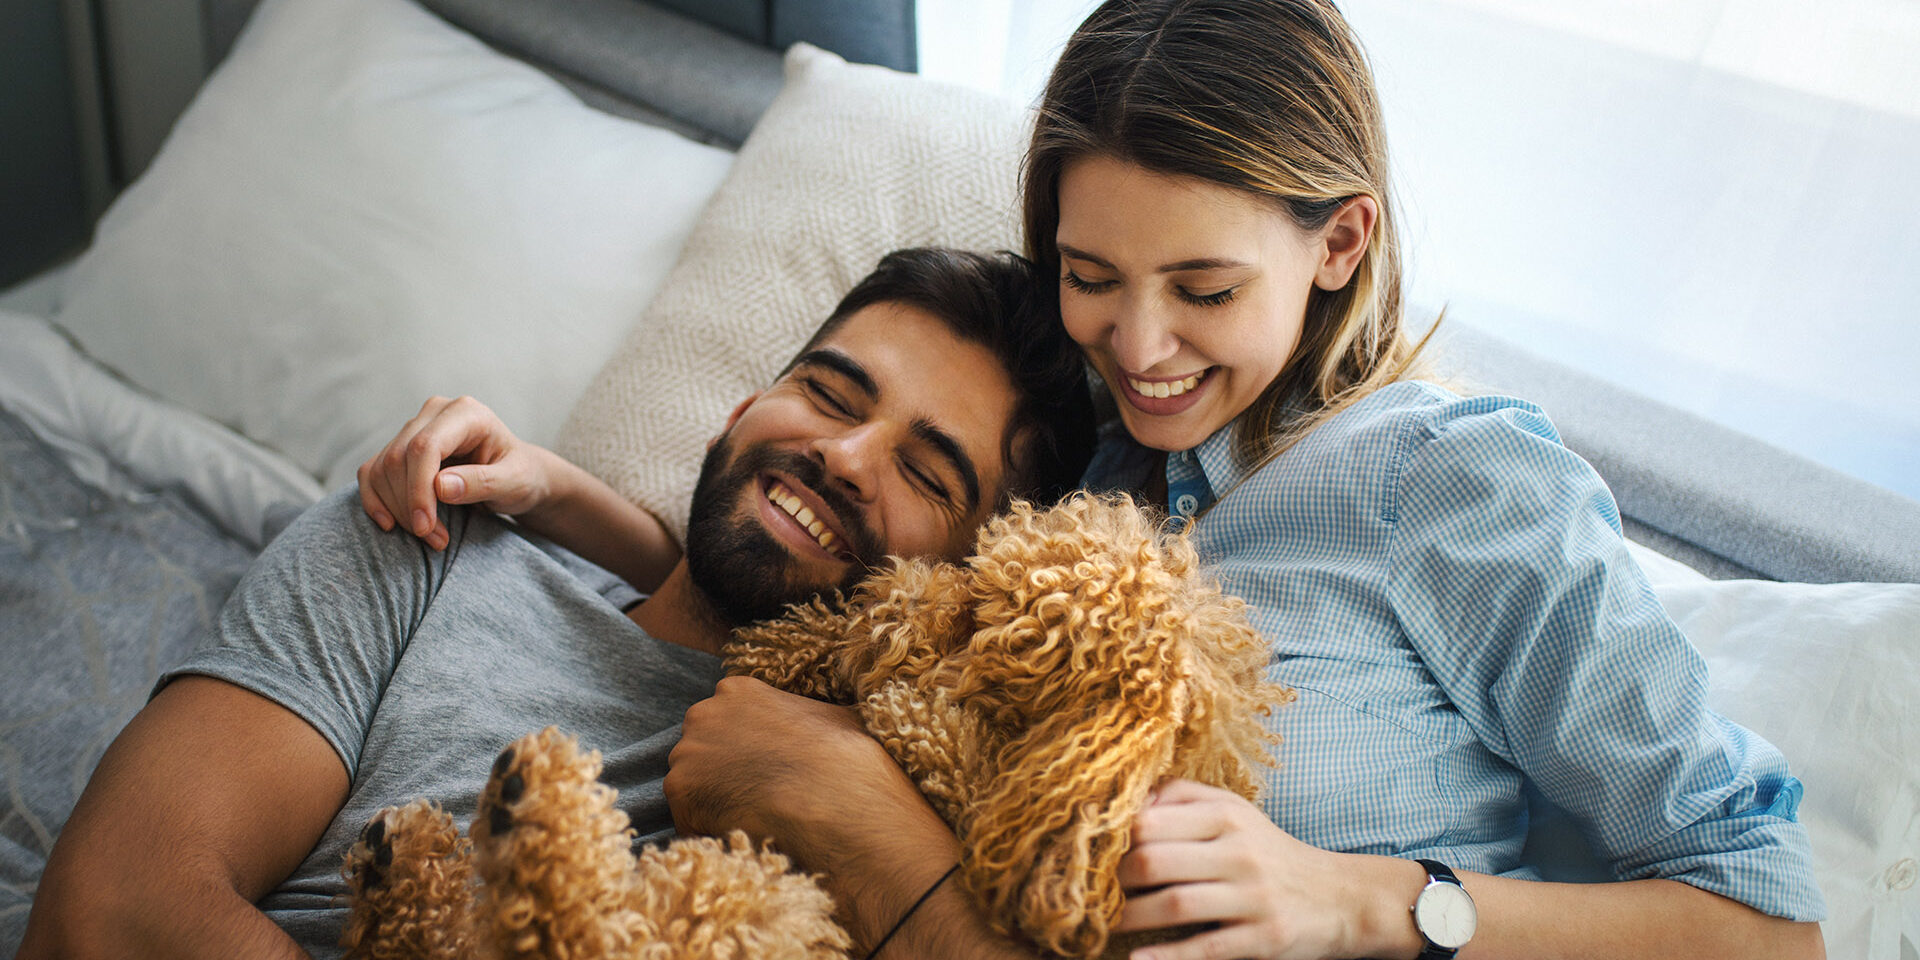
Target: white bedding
x,y
125,441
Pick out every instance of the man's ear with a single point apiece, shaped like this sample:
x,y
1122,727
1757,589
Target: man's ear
x,y
734,417
1345,238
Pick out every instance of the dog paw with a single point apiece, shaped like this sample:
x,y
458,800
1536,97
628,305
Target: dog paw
x,y
370,856
410,885
554,852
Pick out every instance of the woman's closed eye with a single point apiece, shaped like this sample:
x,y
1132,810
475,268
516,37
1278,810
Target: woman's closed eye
x,y
1215,299
1075,281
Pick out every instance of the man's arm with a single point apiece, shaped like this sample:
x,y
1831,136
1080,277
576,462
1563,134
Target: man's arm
x,y
210,797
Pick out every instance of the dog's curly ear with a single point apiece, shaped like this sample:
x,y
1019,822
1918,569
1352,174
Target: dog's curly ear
x,y
796,652
1043,848
899,623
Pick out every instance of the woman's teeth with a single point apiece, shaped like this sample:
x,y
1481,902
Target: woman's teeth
x,y
1164,388
785,500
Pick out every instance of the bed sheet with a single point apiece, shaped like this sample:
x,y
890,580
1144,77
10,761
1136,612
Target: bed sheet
x,y
124,524
125,442
98,592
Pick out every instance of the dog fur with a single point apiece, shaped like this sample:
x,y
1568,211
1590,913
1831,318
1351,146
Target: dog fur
x,y
1035,694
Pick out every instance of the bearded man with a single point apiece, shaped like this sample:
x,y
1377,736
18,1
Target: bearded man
x,y
357,667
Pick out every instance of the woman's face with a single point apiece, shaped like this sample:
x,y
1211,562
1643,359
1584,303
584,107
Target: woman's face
x,y
1188,296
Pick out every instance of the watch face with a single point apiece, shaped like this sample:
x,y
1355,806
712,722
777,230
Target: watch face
x,y
1445,915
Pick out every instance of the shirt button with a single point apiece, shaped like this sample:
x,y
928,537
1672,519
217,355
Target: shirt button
x,y
1187,504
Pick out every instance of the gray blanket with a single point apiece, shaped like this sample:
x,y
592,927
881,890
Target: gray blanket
x,y
97,596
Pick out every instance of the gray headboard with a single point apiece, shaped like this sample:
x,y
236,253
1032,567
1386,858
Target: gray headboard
x,y
700,66
1726,503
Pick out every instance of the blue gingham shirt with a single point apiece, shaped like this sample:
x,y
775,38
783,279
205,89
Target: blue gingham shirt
x,y
1447,588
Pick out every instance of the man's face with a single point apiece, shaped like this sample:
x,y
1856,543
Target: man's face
x,y
884,439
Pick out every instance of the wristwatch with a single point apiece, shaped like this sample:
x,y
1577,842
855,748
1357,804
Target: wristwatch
x,y
1443,913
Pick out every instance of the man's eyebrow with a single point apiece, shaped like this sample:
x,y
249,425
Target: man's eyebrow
x,y
924,429
843,365
1180,266
950,449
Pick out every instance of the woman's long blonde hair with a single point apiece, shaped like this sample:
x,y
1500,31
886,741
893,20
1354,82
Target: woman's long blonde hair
x,y
1272,97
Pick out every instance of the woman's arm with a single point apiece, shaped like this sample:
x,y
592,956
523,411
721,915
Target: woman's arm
x,y
208,798
458,451
1204,855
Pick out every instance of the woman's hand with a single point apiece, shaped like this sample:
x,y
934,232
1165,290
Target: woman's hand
x,y
1205,855
452,451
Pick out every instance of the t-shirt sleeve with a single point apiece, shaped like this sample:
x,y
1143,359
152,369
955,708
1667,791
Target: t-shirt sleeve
x,y
1513,583
321,619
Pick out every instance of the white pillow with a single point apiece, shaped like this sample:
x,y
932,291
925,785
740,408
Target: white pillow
x,y
1830,673
847,163
365,206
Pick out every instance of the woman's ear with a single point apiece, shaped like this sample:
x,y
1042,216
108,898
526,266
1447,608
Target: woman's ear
x,y
1345,238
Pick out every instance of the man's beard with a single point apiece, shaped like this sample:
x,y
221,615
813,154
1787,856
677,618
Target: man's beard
x,y
744,572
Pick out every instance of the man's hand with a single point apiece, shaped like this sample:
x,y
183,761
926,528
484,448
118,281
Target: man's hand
x,y
806,775
778,766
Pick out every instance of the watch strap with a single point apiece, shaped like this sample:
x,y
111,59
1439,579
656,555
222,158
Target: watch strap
x,y
1437,872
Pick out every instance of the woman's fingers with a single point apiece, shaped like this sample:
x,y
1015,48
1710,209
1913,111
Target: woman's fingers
x,y
1184,903
1151,865
404,484
1179,811
370,500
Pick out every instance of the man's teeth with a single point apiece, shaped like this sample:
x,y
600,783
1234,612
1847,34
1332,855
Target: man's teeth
x,y
785,500
1164,388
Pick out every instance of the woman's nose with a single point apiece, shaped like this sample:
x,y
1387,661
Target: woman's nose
x,y
1142,338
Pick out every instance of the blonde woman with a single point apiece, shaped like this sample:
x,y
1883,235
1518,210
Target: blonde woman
x,y
1443,582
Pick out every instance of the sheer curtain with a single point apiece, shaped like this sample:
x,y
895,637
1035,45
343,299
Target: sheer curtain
x,y
1715,202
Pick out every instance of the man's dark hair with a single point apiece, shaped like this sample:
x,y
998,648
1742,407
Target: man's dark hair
x,y
1000,302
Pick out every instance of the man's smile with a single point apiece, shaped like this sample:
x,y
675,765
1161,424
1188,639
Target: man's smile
x,y
794,513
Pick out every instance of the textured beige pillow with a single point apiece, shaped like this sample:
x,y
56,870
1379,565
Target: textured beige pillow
x,y
849,162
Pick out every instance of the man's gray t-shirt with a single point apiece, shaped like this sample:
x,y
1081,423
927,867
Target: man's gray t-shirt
x,y
419,666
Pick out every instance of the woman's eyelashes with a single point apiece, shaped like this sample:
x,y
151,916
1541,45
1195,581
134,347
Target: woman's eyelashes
x,y
1074,281
1217,298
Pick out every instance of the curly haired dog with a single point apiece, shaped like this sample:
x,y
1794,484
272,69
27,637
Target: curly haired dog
x,y
1035,693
